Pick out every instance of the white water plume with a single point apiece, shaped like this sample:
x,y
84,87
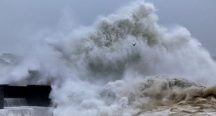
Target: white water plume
x,y
101,70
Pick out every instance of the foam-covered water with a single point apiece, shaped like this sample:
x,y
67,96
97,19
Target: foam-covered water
x,y
121,65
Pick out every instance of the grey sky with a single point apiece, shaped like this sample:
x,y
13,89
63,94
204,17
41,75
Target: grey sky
x,y
22,20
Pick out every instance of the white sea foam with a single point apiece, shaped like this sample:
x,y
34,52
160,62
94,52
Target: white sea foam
x,y
100,70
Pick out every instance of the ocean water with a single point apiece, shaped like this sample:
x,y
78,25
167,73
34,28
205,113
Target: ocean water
x,y
122,65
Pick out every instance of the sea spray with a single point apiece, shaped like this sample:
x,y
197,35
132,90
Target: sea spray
x,y
122,65
105,53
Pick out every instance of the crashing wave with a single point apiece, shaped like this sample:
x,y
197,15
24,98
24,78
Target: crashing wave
x,y
157,94
109,68
113,60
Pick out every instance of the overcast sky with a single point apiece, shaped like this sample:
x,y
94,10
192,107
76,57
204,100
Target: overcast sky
x,y
22,20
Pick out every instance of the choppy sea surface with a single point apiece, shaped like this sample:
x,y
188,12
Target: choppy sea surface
x,y
125,64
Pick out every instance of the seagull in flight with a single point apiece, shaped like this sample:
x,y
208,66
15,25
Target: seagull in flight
x,y
134,44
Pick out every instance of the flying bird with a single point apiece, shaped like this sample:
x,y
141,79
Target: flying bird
x,y
134,44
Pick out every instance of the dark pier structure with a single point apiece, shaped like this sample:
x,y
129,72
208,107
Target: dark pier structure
x,y
33,95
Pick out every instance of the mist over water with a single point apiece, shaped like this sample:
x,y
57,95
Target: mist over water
x,y
104,69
